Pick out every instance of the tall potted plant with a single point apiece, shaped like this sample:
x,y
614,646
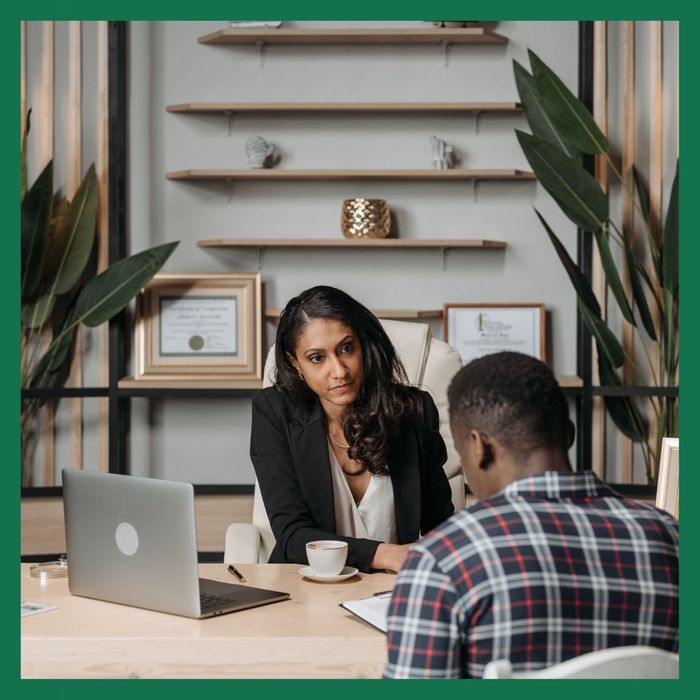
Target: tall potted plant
x,y
59,290
562,130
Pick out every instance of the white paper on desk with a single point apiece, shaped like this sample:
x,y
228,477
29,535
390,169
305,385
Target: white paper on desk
x,y
372,610
28,608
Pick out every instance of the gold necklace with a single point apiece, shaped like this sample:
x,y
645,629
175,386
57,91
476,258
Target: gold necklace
x,y
335,442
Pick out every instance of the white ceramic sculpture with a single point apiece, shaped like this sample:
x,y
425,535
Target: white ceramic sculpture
x,y
258,151
443,154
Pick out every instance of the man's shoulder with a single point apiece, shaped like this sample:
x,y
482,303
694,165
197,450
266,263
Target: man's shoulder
x,y
463,528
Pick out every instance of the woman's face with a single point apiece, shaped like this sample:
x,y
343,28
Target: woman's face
x,y
329,356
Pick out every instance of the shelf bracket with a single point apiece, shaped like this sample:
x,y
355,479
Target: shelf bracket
x,y
475,190
444,252
230,116
445,52
228,184
260,256
262,47
477,120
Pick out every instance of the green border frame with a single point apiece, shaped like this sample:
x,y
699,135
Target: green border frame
x,y
309,10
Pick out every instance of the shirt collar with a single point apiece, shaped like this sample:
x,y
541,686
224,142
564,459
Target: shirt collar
x,y
555,485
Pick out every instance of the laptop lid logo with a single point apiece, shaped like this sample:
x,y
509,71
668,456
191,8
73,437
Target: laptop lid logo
x,y
127,538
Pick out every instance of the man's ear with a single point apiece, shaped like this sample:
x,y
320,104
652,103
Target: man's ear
x,y
571,433
483,448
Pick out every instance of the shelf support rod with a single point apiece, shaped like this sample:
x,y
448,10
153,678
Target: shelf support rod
x,y
445,52
444,253
475,190
477,121
260,255
230,116
262,47
228,184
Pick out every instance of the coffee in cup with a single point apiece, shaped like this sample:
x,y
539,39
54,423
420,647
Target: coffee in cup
x,y
327,557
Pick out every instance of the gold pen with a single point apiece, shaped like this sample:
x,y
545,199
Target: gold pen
x,y
233,570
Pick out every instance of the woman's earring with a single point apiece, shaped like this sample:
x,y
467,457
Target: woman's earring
x,y
301,376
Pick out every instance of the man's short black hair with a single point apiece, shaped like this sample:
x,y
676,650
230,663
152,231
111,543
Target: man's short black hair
x,y
513,397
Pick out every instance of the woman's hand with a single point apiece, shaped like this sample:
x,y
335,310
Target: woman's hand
x,y
390,556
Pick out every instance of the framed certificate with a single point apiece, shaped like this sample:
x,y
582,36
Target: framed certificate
x,y
199,326
475,330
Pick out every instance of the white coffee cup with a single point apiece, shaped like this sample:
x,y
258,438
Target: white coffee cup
x,y
327,557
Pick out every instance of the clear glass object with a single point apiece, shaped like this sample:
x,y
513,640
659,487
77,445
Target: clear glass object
x,y
50,569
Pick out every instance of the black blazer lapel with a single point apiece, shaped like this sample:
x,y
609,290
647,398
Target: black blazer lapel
x,y
314,469
405,480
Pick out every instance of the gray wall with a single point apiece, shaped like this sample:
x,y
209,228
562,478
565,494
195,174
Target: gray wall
x,y
207,441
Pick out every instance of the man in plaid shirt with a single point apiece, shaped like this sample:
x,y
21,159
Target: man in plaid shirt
x,y
550,564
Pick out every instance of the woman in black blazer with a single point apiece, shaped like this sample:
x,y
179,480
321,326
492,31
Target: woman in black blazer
x,y
341,402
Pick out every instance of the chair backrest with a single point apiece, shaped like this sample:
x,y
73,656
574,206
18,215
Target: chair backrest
x,y
430,364
619,662
667,486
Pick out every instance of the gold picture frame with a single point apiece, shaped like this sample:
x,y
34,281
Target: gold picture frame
x,y
199,326
475,329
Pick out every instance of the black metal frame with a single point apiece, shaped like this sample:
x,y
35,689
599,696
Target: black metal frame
x,y
119,328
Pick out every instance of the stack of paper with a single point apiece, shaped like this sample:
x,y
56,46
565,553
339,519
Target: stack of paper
x,y
372,610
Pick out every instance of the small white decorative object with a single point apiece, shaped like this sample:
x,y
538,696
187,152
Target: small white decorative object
x,y
443,154
258,151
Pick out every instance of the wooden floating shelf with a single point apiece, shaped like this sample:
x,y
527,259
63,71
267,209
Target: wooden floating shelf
x,y
345,243
340,107
355,174
181,383
406,314
569,381
469,35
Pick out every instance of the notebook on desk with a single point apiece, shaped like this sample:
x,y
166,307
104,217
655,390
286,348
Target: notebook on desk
x,y
372,610
133,541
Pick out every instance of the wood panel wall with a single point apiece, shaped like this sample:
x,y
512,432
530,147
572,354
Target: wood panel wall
x,y
638,76
44,98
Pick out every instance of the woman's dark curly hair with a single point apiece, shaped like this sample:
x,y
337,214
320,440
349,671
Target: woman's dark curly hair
x,y
373,420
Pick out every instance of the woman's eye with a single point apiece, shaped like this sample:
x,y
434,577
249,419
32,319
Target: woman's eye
x,y
346,348
315,358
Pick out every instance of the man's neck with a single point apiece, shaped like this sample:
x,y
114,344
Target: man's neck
x,y
543,460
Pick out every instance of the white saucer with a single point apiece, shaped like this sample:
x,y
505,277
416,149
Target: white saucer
x,y
347,572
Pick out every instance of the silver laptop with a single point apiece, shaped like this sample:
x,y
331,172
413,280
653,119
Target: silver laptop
x,y
133,541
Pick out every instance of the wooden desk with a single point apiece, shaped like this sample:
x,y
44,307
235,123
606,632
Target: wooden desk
x,y
308,636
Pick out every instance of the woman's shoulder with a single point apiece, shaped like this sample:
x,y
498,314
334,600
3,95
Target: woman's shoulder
x,y
283,404
423,405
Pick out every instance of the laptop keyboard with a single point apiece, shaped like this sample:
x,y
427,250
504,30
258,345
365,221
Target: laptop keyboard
x,y
207,600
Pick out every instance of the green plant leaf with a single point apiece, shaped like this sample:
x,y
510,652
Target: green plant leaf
x,y
36,313
78,234
35,213
587,302
573,188
109,292
637,290
578,279
669,252
613,276
607,343
642,192
538,119
567,112
23,159
622,410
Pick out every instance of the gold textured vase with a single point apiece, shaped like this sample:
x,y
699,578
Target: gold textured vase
x,y
365,218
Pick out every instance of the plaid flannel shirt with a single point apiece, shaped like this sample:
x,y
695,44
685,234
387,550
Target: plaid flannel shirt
x,y
554,566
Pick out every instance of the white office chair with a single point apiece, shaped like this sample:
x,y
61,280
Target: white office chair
x,y
667,485
619,662
430,364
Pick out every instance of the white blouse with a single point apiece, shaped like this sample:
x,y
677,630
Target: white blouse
x,y
374,518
